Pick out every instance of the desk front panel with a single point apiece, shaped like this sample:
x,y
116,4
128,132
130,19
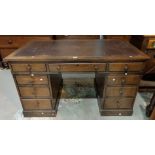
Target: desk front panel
x,y
39,84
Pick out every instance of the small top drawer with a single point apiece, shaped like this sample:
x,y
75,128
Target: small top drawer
x,y
118,103
125,67
8,41
71,67
28,67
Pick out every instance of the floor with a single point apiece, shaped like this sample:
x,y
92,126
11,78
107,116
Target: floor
x,y
69,109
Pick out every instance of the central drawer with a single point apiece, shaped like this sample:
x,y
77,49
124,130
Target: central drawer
x,y
123,79
126,67
35,91
116,103
33,104
72,67
121,91
27,79
28,67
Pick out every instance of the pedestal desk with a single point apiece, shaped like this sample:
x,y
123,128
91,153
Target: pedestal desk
x,y
38,66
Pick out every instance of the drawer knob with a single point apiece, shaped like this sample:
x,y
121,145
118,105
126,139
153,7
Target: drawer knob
x,y
113,79
32,75
29,67
10,41
126,70
120,114
95,67
59,68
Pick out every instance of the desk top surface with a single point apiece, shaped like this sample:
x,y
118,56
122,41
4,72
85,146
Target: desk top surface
x,y
78,50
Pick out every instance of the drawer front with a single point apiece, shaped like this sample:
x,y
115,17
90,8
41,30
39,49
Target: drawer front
x,y
116,103
33,104
121,91
27,79
125,67
35,91
123,80
7,41
20,40
77,67
28,67
6,52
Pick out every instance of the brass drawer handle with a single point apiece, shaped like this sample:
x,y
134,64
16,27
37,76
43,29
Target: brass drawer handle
x,y
95,67
59,68
29,68
32,75
10,41
126,69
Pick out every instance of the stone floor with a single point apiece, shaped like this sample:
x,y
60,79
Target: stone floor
x,y
69,109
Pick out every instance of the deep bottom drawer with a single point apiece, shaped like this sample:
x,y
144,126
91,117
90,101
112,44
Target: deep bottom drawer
x,y
42,113
114,103
37,104
114,112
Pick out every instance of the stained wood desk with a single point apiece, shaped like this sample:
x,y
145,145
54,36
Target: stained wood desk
x,y
37,70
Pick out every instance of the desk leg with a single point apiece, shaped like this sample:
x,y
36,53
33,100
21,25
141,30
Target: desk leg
x,y
151,106
99,87
56,87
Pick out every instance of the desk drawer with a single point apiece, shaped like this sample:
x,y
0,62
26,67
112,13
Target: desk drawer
x,y
28,67
123,79
126,67
77,67
33,104
116,103
121,91
35,91
27,79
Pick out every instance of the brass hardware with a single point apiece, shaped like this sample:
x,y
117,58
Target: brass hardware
x,y
126,69
29,68
59,68
32,75
10,41
113,79
95,67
